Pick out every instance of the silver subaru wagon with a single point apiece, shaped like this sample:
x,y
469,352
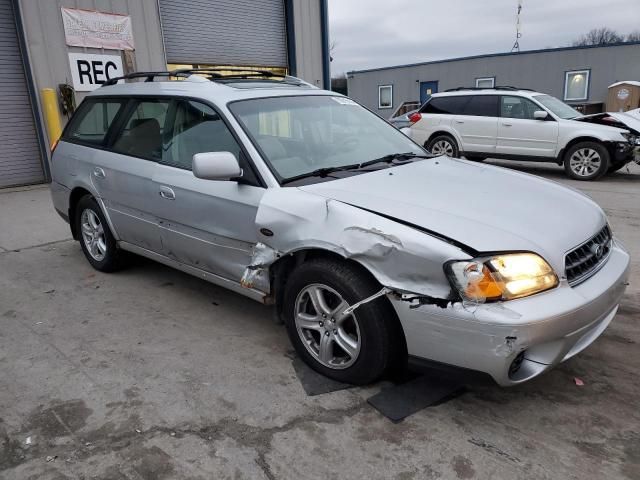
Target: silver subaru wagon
x,y
372,252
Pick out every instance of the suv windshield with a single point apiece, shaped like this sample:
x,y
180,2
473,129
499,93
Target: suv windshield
x,y
558,107
301,134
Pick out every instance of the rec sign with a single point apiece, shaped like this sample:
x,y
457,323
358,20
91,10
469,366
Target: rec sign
x,y
89,71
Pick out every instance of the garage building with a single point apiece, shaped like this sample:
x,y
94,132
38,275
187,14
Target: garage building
x,y
578,75
38,52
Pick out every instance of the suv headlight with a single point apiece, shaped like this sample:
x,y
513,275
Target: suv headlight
x,y
501,277
631,138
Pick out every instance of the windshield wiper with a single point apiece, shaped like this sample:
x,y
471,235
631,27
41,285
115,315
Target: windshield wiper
x,y
325,171
394,156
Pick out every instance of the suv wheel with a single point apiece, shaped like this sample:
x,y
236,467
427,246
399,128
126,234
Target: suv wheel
x,y
586,161
96,239
356,348
443,145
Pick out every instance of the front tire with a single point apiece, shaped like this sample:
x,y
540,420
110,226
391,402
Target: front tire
x,y
443,145
586,161
96,240
357,348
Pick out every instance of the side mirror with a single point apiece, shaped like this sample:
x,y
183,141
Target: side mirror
x,y
540,115
216,166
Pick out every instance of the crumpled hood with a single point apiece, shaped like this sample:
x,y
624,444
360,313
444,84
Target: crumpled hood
x,y
485,207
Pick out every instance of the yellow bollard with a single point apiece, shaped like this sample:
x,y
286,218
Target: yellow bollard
x,y
51,115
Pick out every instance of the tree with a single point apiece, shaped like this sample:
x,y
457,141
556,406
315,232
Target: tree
x,y
633,36
599,36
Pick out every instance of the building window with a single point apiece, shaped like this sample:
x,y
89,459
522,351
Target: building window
x,y
486,82
385,96
576,85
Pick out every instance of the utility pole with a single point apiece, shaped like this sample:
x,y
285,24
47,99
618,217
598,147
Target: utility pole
x,y
516,46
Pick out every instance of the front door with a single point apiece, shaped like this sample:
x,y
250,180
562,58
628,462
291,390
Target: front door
x,y
427,89
519,133
206,224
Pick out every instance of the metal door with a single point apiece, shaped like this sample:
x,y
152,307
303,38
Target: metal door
x,y
427,89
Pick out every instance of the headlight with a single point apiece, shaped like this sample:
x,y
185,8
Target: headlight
x,y
631,138
501,277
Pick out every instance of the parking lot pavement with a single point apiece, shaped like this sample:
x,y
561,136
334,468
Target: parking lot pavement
x,y
152,374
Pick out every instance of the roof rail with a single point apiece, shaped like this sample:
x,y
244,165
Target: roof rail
x,y
497,87
214,74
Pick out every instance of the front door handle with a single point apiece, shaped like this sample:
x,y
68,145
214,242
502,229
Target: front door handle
x,y
167,193
99,173
507,124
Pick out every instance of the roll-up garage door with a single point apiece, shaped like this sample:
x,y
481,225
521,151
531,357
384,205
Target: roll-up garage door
x,y
20,161
224,32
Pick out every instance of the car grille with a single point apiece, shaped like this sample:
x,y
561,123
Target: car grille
x,y
587,259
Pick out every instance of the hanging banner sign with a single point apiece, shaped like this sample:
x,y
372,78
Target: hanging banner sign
x,y
88,28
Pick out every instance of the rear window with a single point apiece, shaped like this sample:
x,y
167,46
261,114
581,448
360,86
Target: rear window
x,y
93,120
482,106
446,105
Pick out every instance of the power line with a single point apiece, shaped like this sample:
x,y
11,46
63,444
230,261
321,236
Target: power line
x,y
516,46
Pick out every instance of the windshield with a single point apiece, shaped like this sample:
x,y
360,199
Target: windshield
x,y
301,134
558,107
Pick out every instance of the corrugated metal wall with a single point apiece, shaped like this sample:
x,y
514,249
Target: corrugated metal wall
x,y
225,32
306,20
542,71
48,51
20,159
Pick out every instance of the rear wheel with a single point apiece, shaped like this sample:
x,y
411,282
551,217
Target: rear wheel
x,y
355,348
443,145
586,161
96,240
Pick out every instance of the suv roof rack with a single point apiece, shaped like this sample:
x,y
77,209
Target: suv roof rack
x,y
214,74
498,87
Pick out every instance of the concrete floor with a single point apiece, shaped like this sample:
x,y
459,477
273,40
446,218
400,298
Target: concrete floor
x,y
153,374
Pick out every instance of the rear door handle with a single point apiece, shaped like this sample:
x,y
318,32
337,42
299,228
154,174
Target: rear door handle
x,y
167,193
99,173
459,121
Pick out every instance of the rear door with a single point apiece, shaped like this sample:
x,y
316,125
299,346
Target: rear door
x,y
521,134
477,126
206,224
124,175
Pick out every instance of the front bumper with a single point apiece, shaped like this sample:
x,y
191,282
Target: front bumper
x,y
549,327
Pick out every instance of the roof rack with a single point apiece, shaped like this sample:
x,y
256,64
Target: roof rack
x,y
214,74
498,87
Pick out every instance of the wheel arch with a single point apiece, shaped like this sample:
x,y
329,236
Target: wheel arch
x,y
279,272
575,141
447,133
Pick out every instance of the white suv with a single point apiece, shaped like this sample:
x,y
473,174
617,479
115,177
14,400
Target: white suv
x,y
518,124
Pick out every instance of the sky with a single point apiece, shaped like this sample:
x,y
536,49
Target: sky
x,y
378,33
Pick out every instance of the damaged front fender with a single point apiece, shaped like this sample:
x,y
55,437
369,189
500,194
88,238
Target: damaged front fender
x,y
401,258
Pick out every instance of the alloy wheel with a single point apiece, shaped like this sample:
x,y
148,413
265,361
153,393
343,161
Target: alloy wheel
x,y
585,162
329,335
93,235
442,147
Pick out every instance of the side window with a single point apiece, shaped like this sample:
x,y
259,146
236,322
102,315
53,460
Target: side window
x,y
197,128
517,107
482,106
143,130
446,105
92,122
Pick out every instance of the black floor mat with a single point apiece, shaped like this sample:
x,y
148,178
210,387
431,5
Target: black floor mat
x,y
399,401
313,382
